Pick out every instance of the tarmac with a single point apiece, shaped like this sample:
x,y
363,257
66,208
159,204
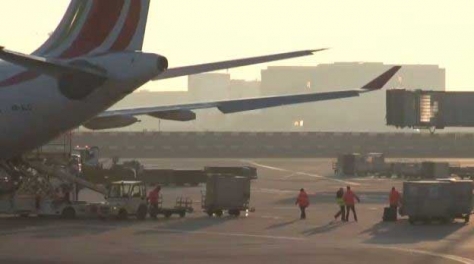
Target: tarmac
x,y
272,234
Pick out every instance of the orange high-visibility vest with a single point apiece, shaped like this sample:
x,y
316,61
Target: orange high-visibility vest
x,y
303,199
394,197
350,197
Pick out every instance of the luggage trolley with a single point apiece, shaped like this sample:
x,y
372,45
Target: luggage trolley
x,y
182,206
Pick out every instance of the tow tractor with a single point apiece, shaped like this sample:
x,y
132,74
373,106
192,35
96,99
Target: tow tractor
x,y
126,198
129,198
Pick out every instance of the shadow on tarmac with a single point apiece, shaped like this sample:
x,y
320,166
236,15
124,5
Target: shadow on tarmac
x,y
54,228
401,232
280,225
187,224
325,228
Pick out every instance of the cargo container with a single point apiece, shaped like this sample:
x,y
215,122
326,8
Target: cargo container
x,y
226,193
405,169
437,200
173,177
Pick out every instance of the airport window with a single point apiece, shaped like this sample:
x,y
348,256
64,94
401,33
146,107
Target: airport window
x,y
299,123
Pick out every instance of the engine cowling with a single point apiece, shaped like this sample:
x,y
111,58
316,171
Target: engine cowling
x,y
175,115
101,123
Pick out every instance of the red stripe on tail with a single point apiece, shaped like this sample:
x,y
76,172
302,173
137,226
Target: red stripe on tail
x,y
129,28
100,22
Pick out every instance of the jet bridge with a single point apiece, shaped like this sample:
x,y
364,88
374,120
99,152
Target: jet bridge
x,y
425,109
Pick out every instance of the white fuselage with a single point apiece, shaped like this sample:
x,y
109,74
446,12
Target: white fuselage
x,y
35,111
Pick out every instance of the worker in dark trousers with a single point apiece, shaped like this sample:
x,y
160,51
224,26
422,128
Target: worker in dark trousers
x,y
153,199
302,201
341,204
349,199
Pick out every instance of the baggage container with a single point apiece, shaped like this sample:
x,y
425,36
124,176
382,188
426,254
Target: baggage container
x,y
173,177
226,193
440,200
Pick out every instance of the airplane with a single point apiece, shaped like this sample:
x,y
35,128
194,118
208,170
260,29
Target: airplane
x,y
94,59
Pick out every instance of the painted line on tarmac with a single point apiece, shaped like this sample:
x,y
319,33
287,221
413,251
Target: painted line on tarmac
x,y
290,175
422,252
230,234
300,173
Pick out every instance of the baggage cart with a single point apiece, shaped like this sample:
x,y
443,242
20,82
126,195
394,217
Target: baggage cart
x,y
182,206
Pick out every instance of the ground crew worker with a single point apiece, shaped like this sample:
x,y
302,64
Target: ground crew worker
x,y
302,201
350,199
394,199
153,197
341,204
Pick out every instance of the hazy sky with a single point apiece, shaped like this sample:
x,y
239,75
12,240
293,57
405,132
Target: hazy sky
x,y
190,32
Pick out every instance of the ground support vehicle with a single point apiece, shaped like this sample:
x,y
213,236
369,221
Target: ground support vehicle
x,y
126,198
226,193
466,172
405,169
48,191
26,205
167,177
355,164
182,206
92,170
437,200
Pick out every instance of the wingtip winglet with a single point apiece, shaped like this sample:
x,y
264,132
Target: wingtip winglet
x,y
379,82
318,50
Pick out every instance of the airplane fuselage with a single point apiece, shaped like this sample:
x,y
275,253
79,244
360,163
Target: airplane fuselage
x,y
35,109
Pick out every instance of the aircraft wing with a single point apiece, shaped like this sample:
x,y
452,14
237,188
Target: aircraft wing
x,y
57,68
222,65
184,112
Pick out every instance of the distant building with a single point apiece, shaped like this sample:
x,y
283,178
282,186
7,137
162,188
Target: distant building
x,y
365,113
344,75
209,86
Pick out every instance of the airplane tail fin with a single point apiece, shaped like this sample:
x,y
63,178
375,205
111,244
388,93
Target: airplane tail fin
x,y
96,26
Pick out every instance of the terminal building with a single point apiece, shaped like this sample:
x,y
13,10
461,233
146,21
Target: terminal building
x,y
359,114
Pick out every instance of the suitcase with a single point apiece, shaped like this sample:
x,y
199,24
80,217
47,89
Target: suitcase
x,y
389,214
